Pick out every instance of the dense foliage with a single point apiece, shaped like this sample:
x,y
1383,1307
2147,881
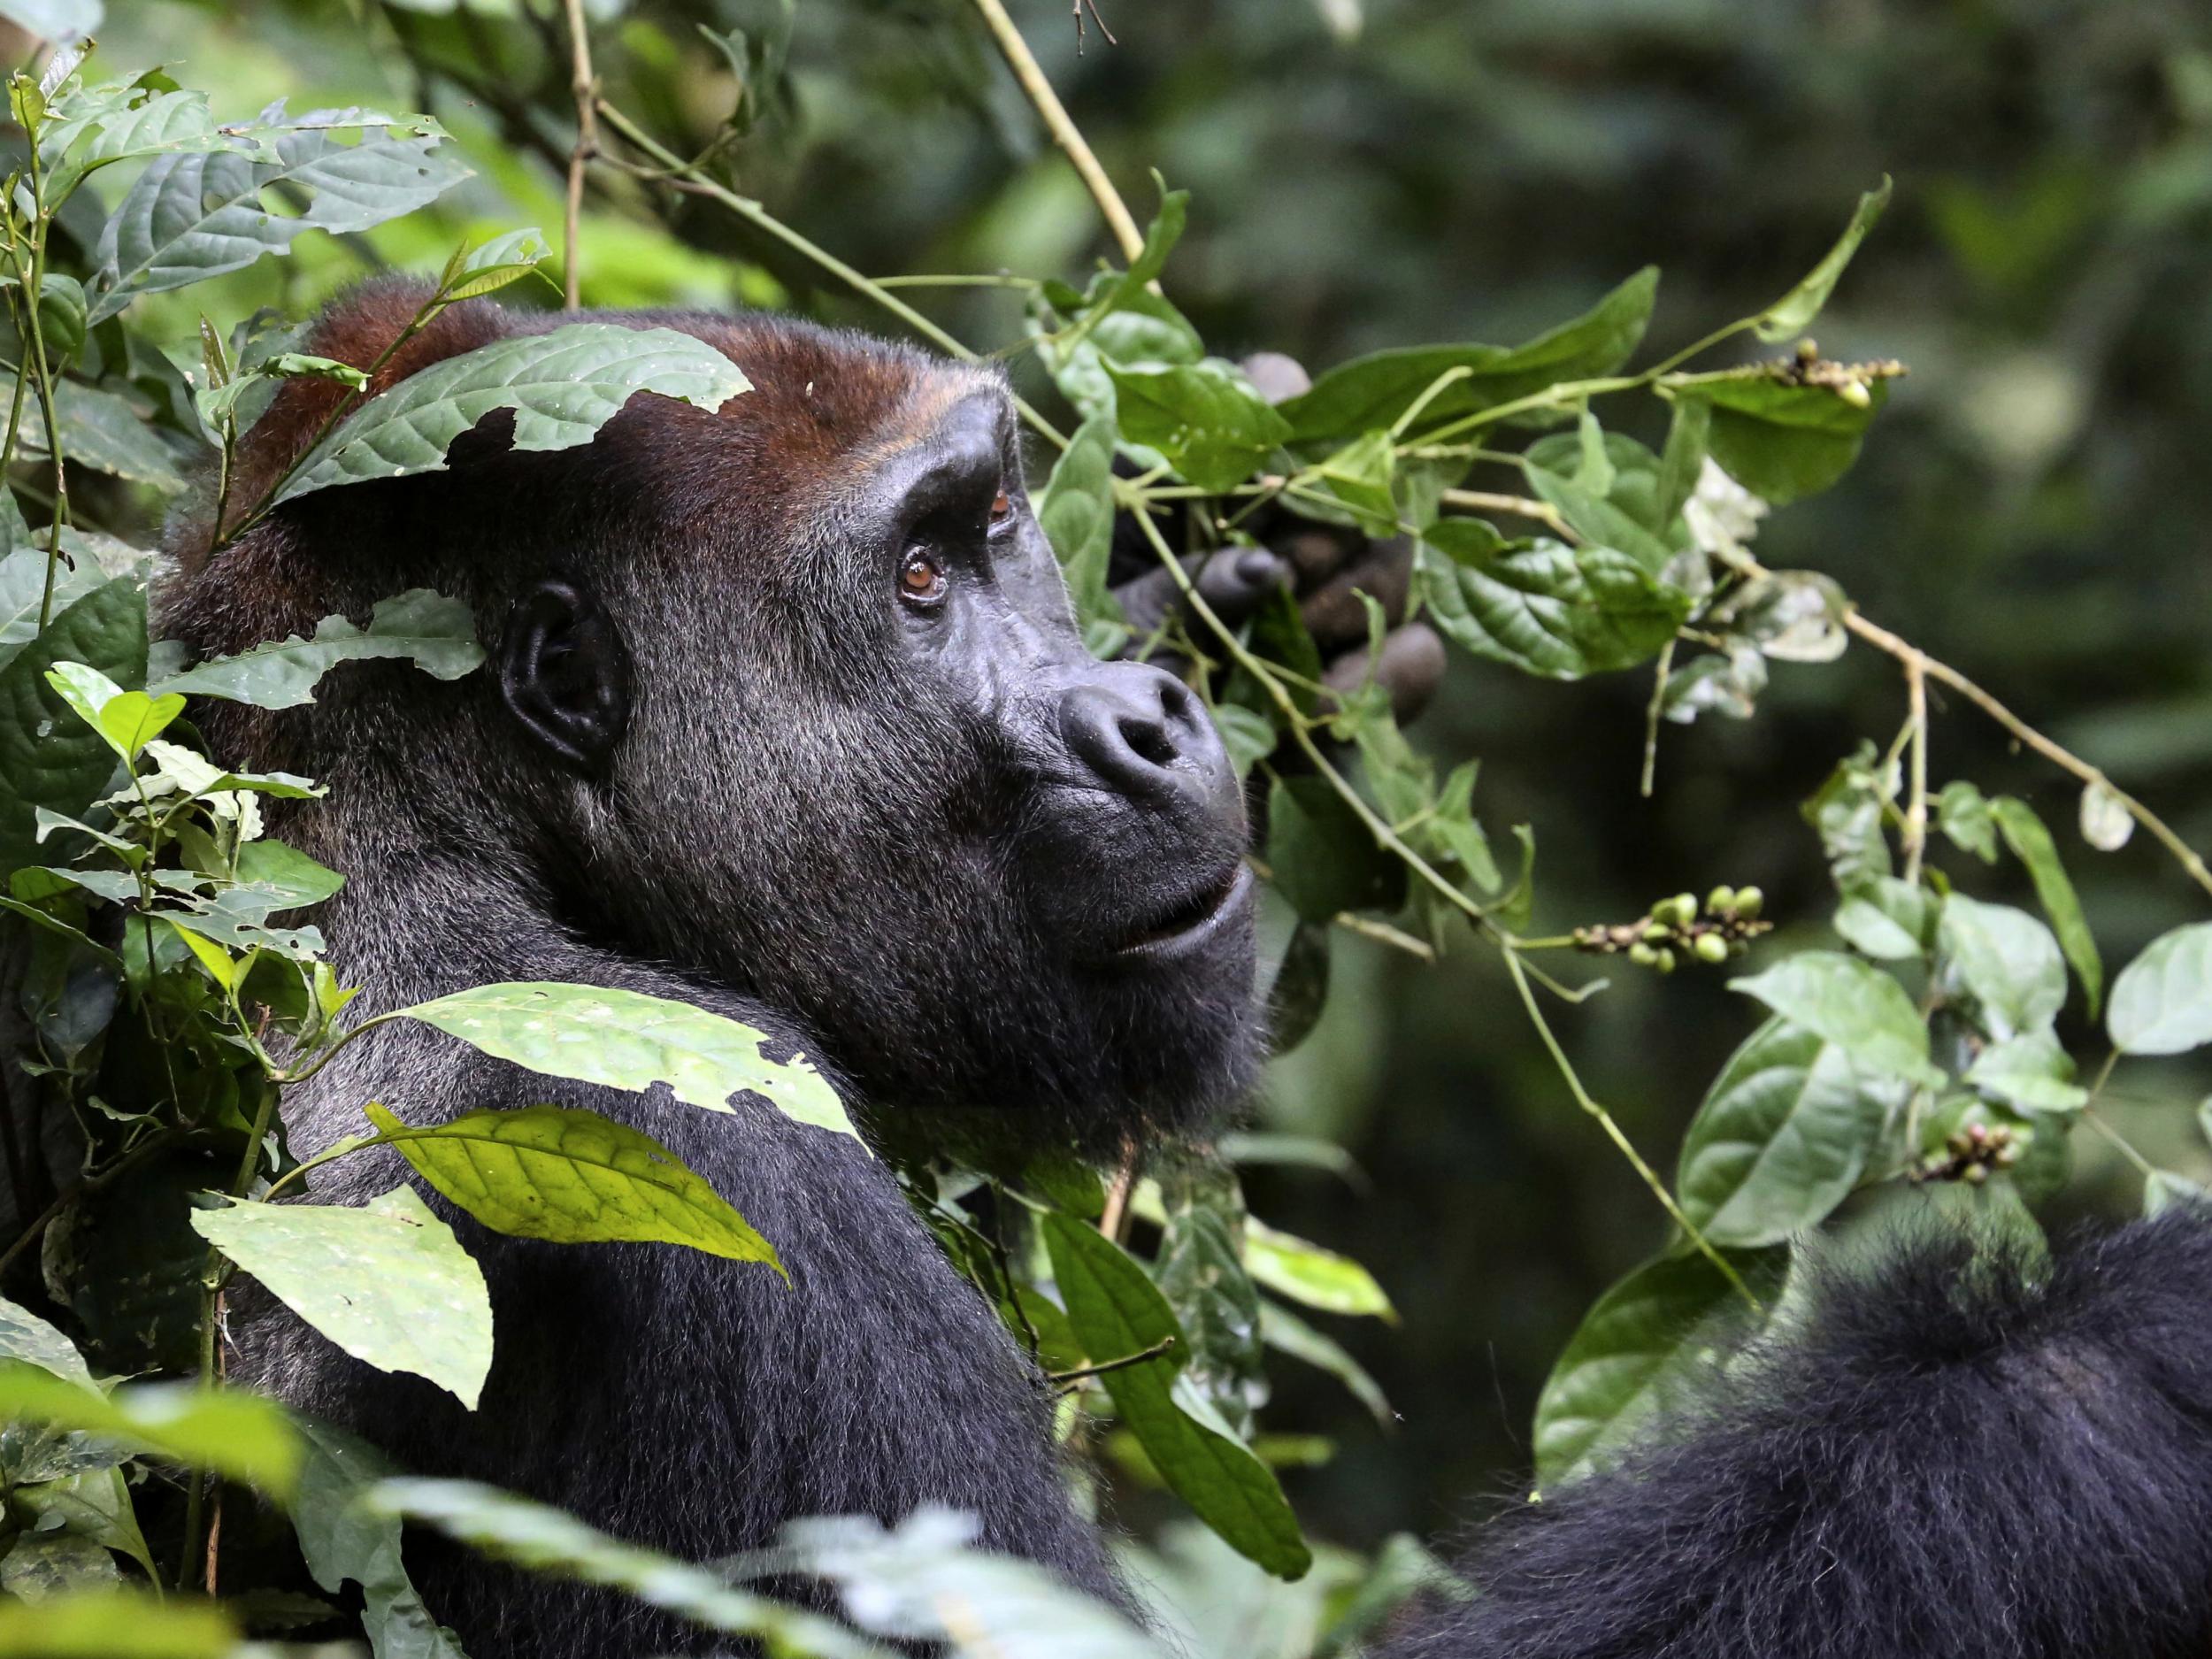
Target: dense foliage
x,y
1921,1053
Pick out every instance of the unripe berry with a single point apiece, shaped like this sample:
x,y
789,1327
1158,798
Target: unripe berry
x,y
1721,901
1711,948
1748,902
1666,961
1643,955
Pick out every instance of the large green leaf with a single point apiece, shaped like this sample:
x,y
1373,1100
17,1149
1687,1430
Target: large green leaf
x,y
48,757
574,1178
231,1433
1077,513
563,385
2032,1072
25,1336
1548,609
2008,961
1782,440
193,216
106,432
436,633
1859,1009
389,1283
1782,1138
1325,860
23,588
126,1623
2033,845
1794,312
2161,1002
1374,391
344,1537
625,1040
1651,1344
1118,1311
1305,1273
543,1540
1204,417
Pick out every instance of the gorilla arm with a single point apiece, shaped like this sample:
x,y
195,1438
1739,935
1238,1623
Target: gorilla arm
x,y
1953,1455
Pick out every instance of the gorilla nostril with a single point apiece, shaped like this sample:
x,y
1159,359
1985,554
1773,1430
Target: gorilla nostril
x,y
1150,740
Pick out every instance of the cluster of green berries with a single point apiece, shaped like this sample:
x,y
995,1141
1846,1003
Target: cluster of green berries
x,y
1677,929
1970,1153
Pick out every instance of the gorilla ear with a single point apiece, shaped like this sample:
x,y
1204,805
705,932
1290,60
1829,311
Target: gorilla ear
x,y
565,674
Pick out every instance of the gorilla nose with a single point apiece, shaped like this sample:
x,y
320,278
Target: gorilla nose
x,y
1143,734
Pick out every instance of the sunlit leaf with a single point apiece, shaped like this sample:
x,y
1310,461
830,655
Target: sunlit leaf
x,y
2161,1002
237,1434
2007,960
436,633
129,1624
1859,1009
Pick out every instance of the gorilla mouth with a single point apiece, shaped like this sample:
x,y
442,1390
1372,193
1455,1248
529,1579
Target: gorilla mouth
x,y
1193,921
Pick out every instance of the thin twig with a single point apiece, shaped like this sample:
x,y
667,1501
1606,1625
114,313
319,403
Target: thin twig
x,y
1651,720
1916,833
1064,132
1383,932
1063,1381
585,85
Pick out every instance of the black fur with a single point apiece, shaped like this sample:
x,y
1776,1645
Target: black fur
x,y
1984,1459
884,835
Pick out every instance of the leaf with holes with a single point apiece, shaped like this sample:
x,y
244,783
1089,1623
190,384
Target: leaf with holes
x,y
436,633
563,386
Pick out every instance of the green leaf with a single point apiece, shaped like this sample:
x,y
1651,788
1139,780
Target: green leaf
x,y
2032,1072
106,432
1216,1306
1077,514
57,20
238,1435
2163,1190
342,1537
1375,391
543,1540
2033,845
389,1283
1859,1009
1794,312
1204,417
494,265
1360,476
193,216
1117,1310
628,1040
127,719
1548,609
2007,960
1324,858
1780,441
1887,918
48,757
218,403
572,1178
25,1336
94,1506
563,385
127,1624
23,586
1305,1273
1651,1344
2161,1002
435,633
1249,735
284,877
1781,1140
1967,820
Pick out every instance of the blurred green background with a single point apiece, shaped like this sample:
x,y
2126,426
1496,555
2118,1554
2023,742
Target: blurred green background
x,y
2032,507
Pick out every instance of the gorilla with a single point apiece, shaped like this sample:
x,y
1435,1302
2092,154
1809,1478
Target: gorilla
x,y
786,717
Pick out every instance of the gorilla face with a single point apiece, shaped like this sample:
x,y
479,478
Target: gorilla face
x,y
835,740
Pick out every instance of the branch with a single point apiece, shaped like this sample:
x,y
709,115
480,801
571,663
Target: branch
x,y
1064,132
1063,1380
585,85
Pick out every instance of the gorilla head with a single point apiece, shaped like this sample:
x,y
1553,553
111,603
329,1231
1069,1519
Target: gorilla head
x,y
786,697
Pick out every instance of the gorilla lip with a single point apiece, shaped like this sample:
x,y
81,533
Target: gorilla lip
x,y
1193,921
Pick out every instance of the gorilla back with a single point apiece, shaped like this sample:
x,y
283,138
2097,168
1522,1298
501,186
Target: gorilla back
x,y
786,717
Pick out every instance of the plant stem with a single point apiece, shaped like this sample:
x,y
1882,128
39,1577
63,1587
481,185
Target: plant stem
x,y
1651,720
1063,1380
1064,132
1620,1139
1916,832
683,176
585,85
1520,506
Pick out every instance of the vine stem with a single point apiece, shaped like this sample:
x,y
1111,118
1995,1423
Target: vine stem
x,y
1064,131
683,175
1915,831
585,85
1064,1381
1918,663
1618,1136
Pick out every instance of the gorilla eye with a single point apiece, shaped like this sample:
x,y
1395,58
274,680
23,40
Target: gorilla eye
x,y
922,581
1002,507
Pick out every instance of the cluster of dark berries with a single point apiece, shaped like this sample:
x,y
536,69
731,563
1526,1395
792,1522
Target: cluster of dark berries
x,y
1970,1153
1675,929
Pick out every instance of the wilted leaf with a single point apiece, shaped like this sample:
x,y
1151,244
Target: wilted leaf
x,y
389,1283
1792,615
574,1178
